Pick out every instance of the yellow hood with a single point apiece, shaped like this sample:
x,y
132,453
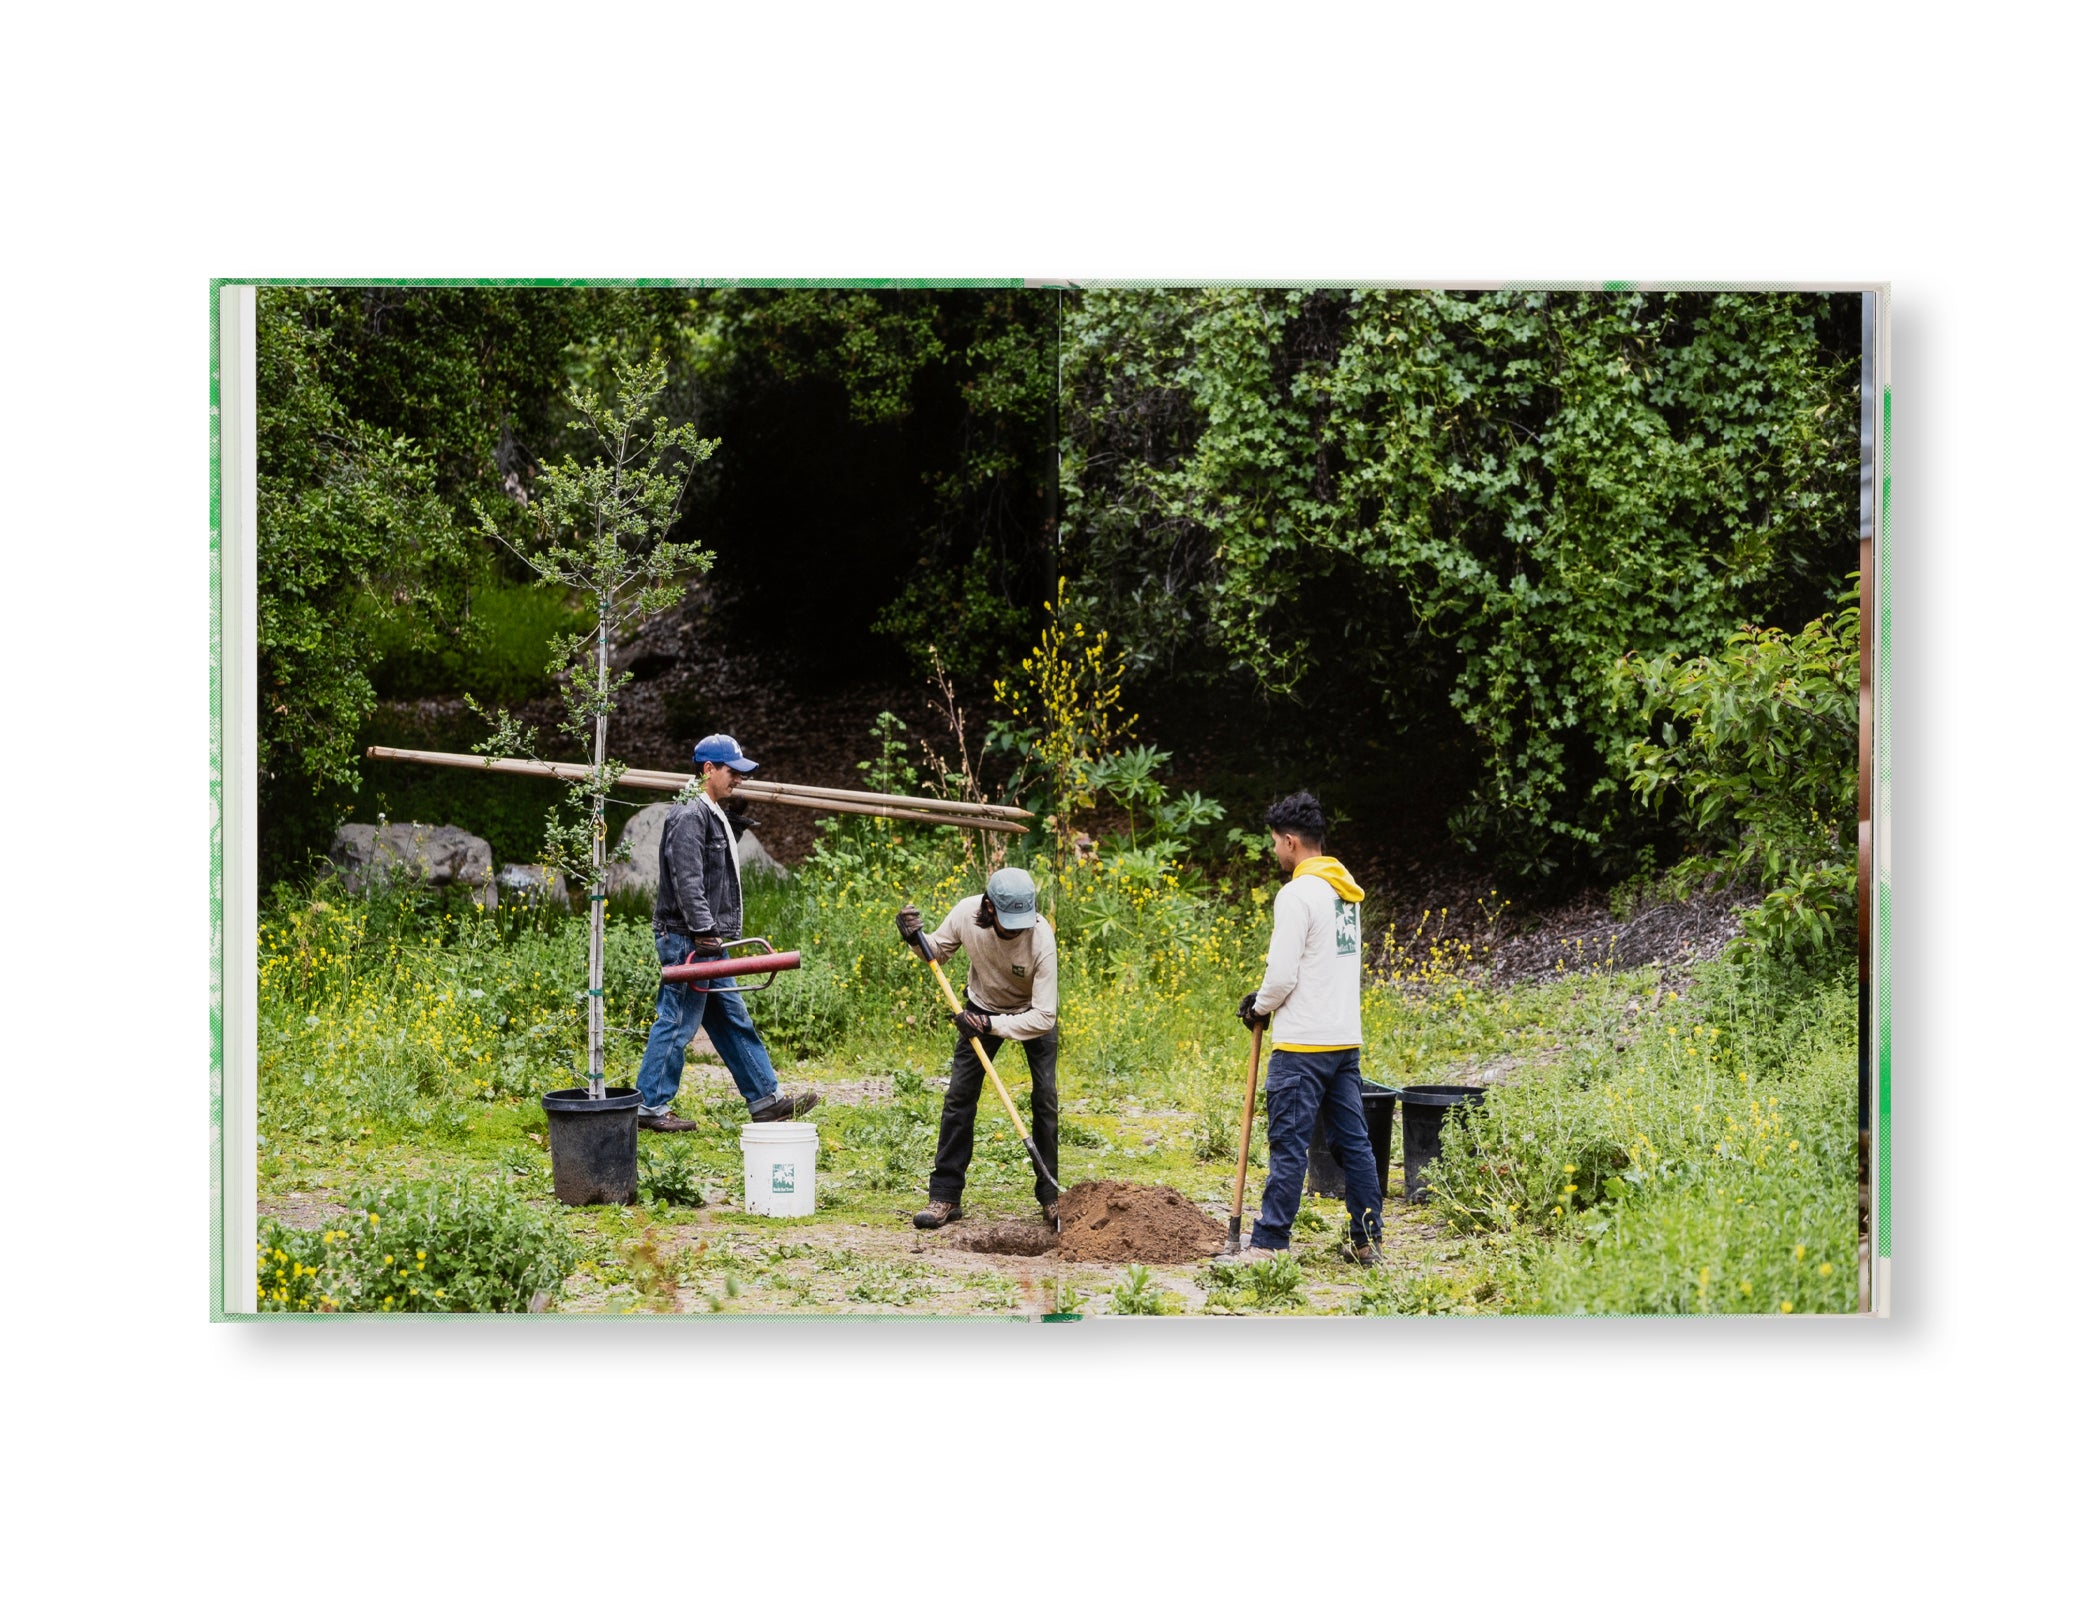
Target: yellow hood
x,y
1333,873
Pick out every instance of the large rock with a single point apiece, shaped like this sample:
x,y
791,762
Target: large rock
x,y
370,857
645,836
754,858
531,884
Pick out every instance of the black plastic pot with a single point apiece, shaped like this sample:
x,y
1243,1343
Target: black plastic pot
x,y
593,1145
1423,1107
1323,1174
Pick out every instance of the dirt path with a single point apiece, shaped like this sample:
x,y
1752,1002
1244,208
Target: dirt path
x,y
722,1261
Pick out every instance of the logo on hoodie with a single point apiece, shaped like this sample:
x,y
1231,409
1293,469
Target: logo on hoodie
x,y
1348,927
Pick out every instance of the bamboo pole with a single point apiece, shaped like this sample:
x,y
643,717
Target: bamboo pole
x,y
984,808
899,808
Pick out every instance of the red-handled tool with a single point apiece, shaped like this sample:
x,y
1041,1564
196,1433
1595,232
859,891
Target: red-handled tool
x,y
772,962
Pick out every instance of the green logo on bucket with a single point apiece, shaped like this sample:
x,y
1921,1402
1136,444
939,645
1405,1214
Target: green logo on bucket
x,y
783,1177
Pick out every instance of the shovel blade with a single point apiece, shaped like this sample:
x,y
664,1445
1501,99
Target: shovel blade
x,y
1042,1169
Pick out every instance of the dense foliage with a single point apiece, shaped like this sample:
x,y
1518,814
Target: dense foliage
x,y
346,513
1758,747
1400,507
387,419
1428,524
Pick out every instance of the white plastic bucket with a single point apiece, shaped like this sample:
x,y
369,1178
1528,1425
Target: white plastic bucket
x,y
780,1168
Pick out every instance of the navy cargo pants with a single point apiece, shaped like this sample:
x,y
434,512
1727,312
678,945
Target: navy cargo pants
x,y
1304,1084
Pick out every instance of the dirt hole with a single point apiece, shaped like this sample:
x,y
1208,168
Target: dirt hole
x,y
1000,1238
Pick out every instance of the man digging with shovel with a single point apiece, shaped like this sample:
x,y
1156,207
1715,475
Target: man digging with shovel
x,y
1311,996
1012,994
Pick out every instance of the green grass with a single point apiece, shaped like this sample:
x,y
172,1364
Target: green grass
x,y
1692,1151
500,658
1709,1126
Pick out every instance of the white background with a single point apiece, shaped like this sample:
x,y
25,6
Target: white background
x,y
145,154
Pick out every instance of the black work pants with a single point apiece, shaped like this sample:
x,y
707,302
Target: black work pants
x,y
951,1157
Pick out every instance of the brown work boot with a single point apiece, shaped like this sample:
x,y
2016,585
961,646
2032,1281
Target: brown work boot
x,y
1050,1212
784,1107
1366,1254
938,1214
664,1122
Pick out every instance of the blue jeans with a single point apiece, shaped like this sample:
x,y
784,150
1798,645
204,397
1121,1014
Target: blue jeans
x,y
1304,1085
682,1010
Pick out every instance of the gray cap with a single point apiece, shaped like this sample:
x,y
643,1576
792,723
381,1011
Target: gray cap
x,y
1013,898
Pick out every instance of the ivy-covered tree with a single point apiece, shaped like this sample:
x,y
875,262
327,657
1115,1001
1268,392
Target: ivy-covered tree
x,y
1467,505
349,529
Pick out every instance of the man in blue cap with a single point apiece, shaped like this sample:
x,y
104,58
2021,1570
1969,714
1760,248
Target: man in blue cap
x,y
1012,994
699,906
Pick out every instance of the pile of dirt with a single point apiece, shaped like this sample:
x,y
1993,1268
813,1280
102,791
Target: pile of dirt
x,y
1134,1222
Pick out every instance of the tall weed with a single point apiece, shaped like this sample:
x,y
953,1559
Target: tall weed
x,y
1704,1143
420,1246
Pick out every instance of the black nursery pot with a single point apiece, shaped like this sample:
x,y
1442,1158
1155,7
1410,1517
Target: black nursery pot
x,y
1323,1174
1423,1107
593,1145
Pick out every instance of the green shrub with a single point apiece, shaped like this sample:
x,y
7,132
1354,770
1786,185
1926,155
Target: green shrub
x,y
1135,1295
1426,1294
667,1172
1758,745
1269,1285
420,1246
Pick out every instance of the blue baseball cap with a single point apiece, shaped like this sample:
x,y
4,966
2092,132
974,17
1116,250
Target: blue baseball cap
x,y
1013,898
723,751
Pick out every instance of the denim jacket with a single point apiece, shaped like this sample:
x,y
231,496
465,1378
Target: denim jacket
x,y
697,890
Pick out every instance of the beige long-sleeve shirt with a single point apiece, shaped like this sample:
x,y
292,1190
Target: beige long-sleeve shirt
x,y
1014,981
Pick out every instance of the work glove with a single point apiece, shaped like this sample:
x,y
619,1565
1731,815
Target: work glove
x,y
707,946
909,928
973,1024
1248,1015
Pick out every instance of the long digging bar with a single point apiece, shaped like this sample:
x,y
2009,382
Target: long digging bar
x,y
771,963
1239,1181
898,808
984,1060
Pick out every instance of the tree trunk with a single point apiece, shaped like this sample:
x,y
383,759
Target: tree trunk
x,y
597,995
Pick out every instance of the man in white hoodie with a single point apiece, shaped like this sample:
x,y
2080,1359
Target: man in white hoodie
x,y
1311,998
